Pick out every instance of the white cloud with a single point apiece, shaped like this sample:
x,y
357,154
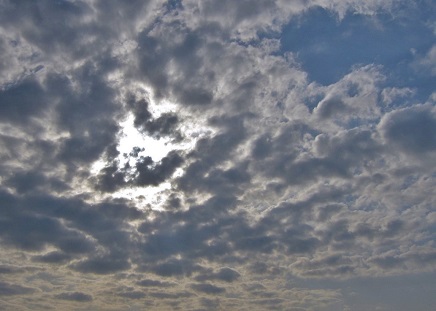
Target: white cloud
x,y
428,61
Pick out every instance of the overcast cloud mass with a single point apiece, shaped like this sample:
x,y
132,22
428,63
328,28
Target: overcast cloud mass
x,y
218,155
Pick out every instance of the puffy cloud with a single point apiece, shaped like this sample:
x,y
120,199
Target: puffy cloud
x,y
355,96
411,129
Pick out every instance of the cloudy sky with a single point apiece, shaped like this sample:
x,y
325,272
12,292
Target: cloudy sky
x,y
218,155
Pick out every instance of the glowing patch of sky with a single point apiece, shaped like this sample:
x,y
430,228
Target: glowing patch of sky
x,y
156,148
131,137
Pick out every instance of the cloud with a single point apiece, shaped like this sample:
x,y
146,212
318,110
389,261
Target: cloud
x,y
354,96
148,175
102,265
146,172
164,125
9,269
154,283
427,62
175,267
208,288
411,129
224,274
22,101
52,257
75,296
163,295
133,295
7,289
33,232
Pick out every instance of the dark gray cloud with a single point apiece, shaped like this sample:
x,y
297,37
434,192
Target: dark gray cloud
x,y
411,130
147,172
175,268
208,288
73,227
223,274
132,295
29,181
154,283
164,125
108,264
177,295
160,49
34,232
9,269
110,178
22,101
7,289
149,175
75,296
202,173
53,257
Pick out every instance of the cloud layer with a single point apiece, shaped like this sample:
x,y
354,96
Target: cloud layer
x,y
301,173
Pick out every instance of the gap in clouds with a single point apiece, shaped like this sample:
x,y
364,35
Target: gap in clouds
x,y
329,48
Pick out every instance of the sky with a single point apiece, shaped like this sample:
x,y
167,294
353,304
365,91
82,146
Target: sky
x,y
218,155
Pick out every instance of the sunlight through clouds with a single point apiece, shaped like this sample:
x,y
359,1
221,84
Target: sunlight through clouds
x,y
133,143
